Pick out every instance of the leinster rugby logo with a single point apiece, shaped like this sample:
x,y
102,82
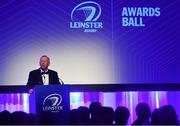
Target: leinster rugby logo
x,y
85,16
52,103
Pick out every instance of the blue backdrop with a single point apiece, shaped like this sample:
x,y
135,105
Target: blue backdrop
x,y
103,51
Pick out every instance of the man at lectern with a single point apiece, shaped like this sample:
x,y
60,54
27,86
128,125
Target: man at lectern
x,y
43,75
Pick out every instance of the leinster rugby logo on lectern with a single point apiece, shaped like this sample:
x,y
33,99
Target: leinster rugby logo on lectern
x,y
85,16
52,103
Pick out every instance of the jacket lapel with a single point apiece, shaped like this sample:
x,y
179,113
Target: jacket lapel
x,y
50,78
40,81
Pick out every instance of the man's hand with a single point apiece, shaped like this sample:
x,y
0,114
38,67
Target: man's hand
x,y
30,91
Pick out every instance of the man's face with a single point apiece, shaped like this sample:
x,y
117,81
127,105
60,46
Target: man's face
x,y
44,63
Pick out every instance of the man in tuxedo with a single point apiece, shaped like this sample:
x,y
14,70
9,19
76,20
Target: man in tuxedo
x,y
43,75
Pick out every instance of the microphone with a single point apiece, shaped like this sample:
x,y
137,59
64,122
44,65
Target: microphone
x,y
61,82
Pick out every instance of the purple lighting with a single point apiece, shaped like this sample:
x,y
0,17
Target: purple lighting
x,y
14,102
156,99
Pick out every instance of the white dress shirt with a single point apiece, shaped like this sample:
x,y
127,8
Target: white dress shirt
x,y
45,78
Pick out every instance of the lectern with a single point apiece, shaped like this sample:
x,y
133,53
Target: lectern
x,y
50,103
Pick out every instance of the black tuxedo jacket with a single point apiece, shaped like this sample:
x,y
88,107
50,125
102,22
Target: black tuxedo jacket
x,y
35,78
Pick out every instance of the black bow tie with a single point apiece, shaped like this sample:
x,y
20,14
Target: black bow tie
x,y
44,73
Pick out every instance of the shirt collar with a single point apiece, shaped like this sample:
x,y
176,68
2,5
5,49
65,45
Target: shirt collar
x,y
43,70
